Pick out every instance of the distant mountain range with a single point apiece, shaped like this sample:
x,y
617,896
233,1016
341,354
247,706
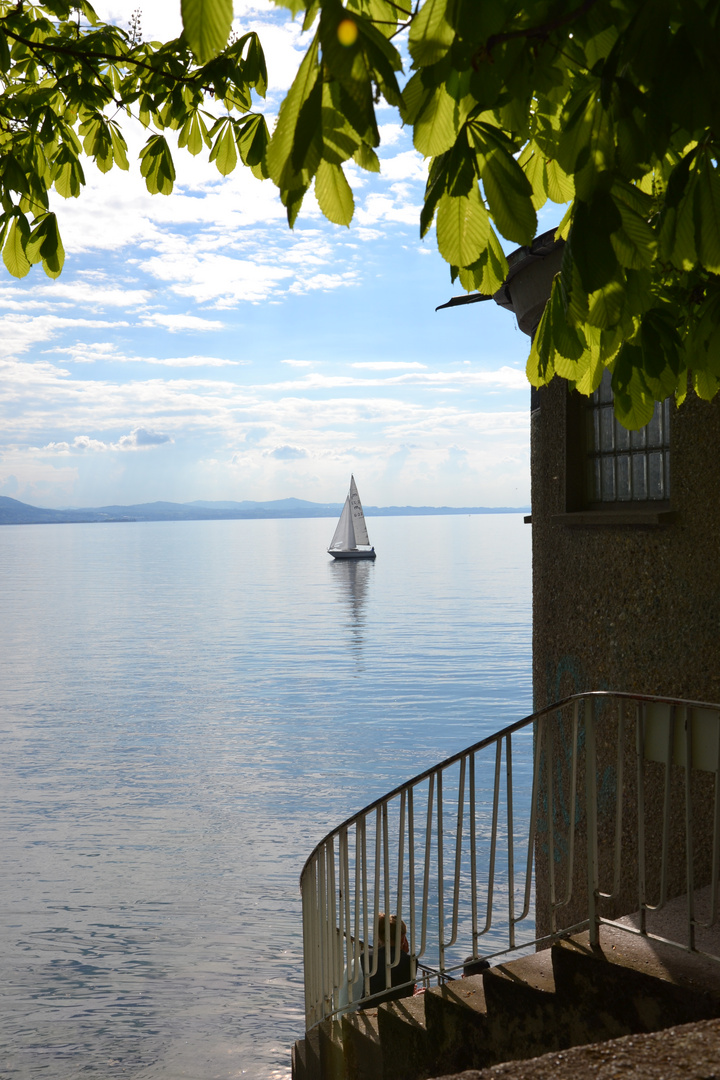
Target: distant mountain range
x,y
13,512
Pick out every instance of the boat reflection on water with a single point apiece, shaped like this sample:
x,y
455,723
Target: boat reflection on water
x,y
352,580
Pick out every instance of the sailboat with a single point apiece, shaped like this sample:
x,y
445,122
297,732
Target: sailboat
x,y
351,530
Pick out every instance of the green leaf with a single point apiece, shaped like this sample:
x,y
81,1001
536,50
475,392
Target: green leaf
x,y
576,297
285,141
434,189
707,214
462,228
224,151
590,366
438,123
605,305
705,384
432,31
677,232
45,245
560,187
593,223
251,135
495,265
193,133
69,175
366,158
540,369
566,340
14,256
293,200
206,25
634,242
89,12
293,6
633,405
13,174
510,197
156,165
119,145
662,349
532,163
333,194
488,273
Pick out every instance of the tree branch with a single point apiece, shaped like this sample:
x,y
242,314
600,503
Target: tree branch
x,y
88,58
538,31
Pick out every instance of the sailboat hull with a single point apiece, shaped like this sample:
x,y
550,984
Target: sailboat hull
x,y
355,553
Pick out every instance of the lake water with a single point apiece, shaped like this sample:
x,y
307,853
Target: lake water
x,y
185,709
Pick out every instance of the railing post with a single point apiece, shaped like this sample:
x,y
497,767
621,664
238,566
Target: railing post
x,y
549,765
441,872
458,852
690,871
411,879
510,842
473,859
591,818
310,941
715,879
640,745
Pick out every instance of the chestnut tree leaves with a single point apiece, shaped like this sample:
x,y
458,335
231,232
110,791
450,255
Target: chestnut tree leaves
x,y
69,81
609,108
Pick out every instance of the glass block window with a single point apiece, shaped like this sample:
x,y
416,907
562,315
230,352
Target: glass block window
x,y
626,466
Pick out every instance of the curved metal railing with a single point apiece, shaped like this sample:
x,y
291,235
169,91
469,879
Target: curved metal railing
x,y
455,851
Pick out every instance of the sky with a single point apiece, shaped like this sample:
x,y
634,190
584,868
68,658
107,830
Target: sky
x,y
195,347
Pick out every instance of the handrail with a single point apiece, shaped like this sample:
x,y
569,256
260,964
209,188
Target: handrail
x,y
455,850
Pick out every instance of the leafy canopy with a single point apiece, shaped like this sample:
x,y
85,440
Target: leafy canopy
x,y
609,108
66,83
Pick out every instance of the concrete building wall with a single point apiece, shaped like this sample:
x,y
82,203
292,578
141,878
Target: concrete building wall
x,y
632,607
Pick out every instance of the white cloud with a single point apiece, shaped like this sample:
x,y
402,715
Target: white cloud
x,y
218,278
324,282
390,365
79,443
88,353
106,352
286,453
377,208
18,333
505,378
408,165
297,363
186,361
177,323
139,439
390,134
90,295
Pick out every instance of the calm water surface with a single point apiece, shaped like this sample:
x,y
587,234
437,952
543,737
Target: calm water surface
x,y
185,709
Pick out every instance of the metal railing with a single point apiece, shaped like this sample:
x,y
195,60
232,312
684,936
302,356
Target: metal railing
x,y
582,799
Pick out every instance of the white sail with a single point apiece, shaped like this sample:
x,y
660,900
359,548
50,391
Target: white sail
x,y
350,539
344,535
358,518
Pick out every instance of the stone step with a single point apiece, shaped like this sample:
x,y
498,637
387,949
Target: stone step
x,y
626,989
566,996
404,1039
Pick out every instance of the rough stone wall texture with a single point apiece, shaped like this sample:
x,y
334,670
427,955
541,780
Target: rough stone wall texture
x,y
631,608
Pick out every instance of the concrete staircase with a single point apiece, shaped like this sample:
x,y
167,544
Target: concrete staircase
x,y
566,996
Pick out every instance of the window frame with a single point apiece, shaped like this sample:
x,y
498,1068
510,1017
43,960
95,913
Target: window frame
x,y
580,506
